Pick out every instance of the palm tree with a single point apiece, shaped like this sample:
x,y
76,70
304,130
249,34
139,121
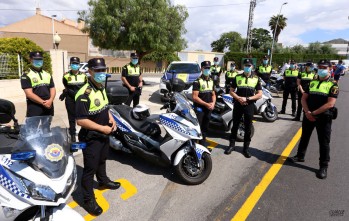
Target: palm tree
x,y
281,24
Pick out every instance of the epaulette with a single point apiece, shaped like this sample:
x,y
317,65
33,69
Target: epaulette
x,y
88,90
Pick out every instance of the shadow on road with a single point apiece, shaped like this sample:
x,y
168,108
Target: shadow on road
x,y
155,97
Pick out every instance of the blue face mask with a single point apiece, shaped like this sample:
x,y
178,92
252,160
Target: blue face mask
x,y
206,72
247,69
134,61
75,67
265,62
216,62
322,73
38,63
292,66
232,68
100,77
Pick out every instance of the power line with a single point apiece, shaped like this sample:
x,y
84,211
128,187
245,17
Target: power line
x,y
206,6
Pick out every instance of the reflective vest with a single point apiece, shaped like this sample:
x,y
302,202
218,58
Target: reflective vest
x,y
133,70
37,80
215,69
231,74
205,86
98,99
264,70
246,82
305,76
78,79
320,87
290,74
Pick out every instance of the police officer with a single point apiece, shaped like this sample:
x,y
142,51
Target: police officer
x,y
264,71
216,69
303,82
73,80
132,79
290,79
248,90
92,114
318,102
230,76
38,87
204,98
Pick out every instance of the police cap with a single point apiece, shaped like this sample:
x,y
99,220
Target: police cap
x,y
292,61
206,64
134,55
215,59
96,63
232,63
324,62
35,55
265,57
74,60
309,63
247,62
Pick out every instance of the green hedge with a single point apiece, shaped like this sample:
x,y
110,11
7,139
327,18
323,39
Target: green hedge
x,y
280,59
22,46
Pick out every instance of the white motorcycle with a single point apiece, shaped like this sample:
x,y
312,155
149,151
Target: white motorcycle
x,y
167,139
37,169
265,107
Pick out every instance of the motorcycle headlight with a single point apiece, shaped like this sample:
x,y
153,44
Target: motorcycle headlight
x,y
39,192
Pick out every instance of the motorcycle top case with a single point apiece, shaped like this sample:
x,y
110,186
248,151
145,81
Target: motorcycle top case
x,y
116,92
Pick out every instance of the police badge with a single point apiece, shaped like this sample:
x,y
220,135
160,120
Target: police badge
x,y
97,102
312,85
239,82
35,80
69,78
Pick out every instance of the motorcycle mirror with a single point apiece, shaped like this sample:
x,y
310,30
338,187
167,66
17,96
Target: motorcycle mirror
x,y
77,146
22,156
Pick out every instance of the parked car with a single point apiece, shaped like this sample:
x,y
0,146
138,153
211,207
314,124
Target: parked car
x,y
184,70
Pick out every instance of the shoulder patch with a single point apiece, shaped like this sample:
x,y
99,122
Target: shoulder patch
x,y
335,89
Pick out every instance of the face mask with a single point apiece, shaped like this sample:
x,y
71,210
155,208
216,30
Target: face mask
x,y
322,73
75,67
216,63
134,61
247,69
100,77
265,62
38,63
206,72
292,66
232,68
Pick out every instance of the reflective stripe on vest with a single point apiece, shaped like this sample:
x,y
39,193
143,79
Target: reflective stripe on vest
x,y
215,69
78,79
306,76
36,81
323,89
231,74
251,82
205,86
264,70
98,102
133,71
291,74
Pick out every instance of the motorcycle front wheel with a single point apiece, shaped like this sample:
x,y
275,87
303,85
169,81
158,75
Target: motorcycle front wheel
x,y
241,132
188,171
270,114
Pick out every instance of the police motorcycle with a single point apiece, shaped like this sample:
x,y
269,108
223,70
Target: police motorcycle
x,y
166,139
276,83
265,107
37,169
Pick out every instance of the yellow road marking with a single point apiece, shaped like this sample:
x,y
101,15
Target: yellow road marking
x,y
211,144
130,190
257,193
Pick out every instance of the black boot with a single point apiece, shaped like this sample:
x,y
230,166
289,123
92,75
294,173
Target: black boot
x,y
282,112
230,148
296,159
72,138
293,113
93,208
245,151
297,118
322,173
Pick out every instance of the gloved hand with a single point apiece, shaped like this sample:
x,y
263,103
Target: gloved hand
x,y
138,91
63,95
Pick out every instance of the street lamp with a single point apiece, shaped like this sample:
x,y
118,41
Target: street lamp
x,y
276,26
56,40
53,30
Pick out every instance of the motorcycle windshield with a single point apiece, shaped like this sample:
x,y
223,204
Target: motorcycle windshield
x,y
48,137
184,109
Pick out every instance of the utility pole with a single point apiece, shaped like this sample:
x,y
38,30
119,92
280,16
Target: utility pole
x,y
249,27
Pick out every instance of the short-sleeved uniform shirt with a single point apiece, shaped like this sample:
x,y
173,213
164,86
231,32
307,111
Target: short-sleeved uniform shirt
x,y
246,86
73,82
41,82
306,78
205,88
291,78
132,74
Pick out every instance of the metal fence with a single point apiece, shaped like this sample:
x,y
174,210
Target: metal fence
x,y
11,66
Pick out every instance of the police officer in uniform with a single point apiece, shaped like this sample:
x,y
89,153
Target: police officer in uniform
x,y
38,87
92,114
73,80
264,71
303,82
318,102
230,76
290,78
216,69
132,79
204,98
248,90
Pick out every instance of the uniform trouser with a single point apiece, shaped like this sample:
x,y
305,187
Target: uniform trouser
x,y
204,120
239,111
266,79
286,93
133,97
95,156
70,106
299,105
323,128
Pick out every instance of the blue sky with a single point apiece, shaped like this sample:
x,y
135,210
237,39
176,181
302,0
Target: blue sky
x,y
323,36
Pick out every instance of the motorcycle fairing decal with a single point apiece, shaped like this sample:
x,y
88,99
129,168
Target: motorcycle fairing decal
x,y
8,183
6,161
173,125
199,152
228,99
121,126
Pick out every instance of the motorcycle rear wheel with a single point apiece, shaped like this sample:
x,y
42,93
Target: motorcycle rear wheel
x,y
270,115
188,172
241,132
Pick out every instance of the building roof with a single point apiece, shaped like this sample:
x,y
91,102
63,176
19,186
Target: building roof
x,y
41,24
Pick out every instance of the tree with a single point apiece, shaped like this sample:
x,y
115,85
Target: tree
x,y
229,41
141,25
299,49
260,37
328,49
281,24
314,48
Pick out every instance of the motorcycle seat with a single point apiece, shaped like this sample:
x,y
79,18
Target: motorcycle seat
x,y
148,126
